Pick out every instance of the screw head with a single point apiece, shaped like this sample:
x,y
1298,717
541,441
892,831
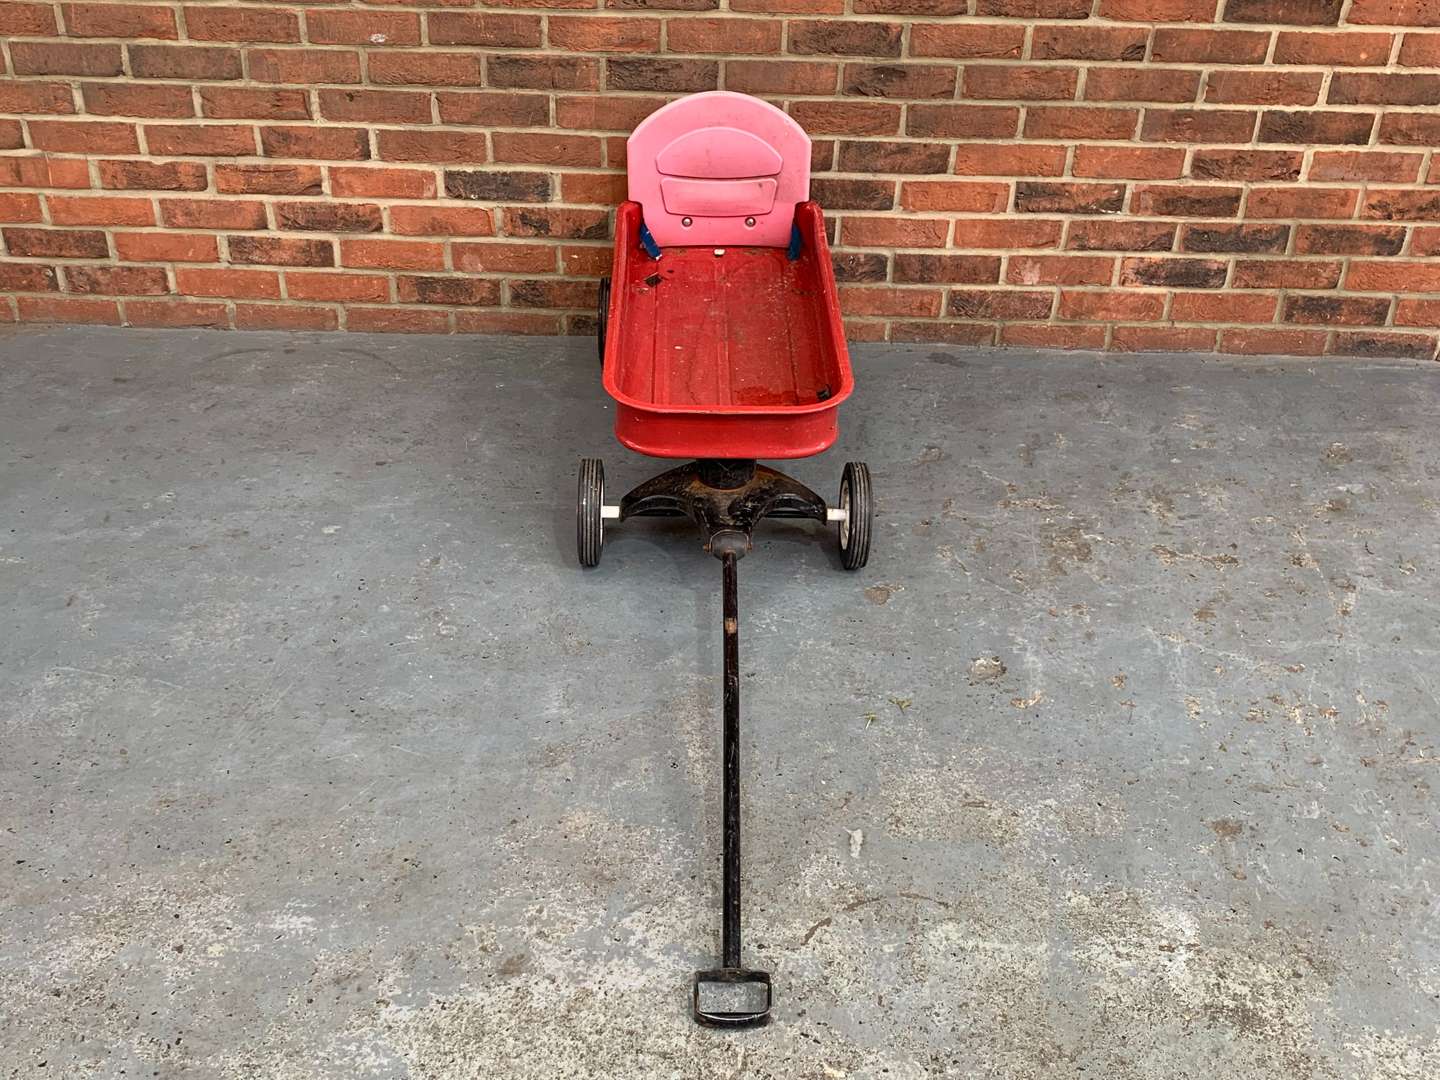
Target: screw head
x,y
749,222
687,222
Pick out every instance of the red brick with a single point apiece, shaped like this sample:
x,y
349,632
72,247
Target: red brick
x,y
955,195
1198,125
845,37
42,170
880,300
119,20
1110,305
1060,270
492,258
426,68
1333,50
1126,162
1297,12
887,232
1006,234
894,157
910,81
1225,237
1079,122
197,140
325,143
1301,203
1161,339
284,317
967,41
441,221
117,280
543,72
28,277
65,58
443,146
1002,303
36,97
281,251
551,293
397,321
328,217
137,100
100,210
372,106
166,247
153,175
1263,87
1185,200
1417,313
1173,273
1371,343
545,148
205,23
950,333
1035,9
593,261
1286,274
729,36
832,194
500,109
488,30
1225,164
1223,307
1033,197
911,7
268,179
781,77
392,254
190,62
16,207
1366,88
1089,42
963,121
1255,342
1425,242
1100,235
556,222
1395,12
605,113
866,329
212,214
1185,46
1350,239
1417,50
304,66
590,33
1053,336
227,282
1019,83
1393,276
1307,128
1360,165
369,28
67,310
1158,10
990,159
1337,310
509,322
350,182
232,103
939,270
488,185
337,287
447,290
29,20
1142,84
1410,129
847,117
84,137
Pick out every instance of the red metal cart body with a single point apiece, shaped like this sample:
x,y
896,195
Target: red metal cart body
x,y
724,337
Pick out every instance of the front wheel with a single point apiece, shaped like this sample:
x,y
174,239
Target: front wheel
x,y
855,526
589,520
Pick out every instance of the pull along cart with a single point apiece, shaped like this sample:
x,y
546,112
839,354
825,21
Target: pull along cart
x,y
721,341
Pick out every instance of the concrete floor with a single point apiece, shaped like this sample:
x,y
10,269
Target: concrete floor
x,y
322,758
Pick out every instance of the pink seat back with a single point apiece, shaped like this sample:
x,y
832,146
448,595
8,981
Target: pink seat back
x,y
719,168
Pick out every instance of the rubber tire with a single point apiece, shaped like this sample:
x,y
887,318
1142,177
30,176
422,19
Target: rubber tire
x,y
602,316
854,532
589,525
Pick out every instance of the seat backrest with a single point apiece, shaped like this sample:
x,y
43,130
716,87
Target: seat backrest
x,y
719,168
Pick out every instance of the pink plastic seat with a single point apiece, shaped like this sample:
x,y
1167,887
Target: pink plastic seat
x,y
719,168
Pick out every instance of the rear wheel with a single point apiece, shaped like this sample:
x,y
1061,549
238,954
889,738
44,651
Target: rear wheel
x,y
855,527
589,522
602,316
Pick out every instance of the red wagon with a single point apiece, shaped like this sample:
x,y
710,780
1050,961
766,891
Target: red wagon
x,y
721,340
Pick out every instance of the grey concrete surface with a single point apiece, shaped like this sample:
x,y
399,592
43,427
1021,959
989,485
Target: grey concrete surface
x,y
322,758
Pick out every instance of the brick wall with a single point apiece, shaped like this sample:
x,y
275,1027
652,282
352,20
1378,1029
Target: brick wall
x,y
1248,175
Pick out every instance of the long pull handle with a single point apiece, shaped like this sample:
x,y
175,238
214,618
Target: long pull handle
x,y
730,749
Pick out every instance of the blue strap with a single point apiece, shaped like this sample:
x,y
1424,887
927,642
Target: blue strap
x,y
648,242
793,251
